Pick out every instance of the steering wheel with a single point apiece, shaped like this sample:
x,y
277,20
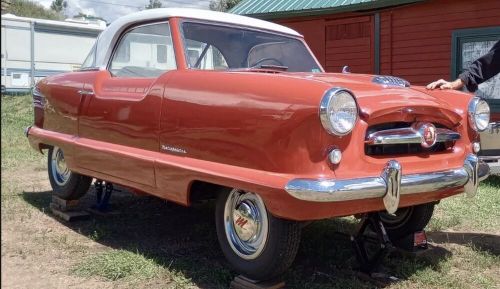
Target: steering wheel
x,y
256,64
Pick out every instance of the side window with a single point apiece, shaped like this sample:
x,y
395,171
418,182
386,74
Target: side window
x,y
90,59
145,51
204,56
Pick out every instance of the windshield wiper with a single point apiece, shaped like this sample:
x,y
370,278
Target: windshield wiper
x,y
273,67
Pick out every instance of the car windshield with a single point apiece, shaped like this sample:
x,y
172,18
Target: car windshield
x,y
216,47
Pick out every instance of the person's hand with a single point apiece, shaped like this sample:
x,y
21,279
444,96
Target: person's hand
x,y
443,84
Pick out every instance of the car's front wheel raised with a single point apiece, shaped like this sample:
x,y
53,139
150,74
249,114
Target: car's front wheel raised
x,y
256,244
65,184
407,220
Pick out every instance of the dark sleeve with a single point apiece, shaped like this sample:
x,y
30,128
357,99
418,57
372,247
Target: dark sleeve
x,y
482,69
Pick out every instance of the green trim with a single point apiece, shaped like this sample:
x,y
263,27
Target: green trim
x,y
299,12
461,36
376,43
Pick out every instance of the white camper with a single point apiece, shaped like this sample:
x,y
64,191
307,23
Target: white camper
x,y
35,48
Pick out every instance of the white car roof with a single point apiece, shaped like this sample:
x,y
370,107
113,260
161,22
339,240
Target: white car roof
x,y
110,35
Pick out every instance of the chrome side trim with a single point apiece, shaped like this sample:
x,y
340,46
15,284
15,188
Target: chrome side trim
x,y
408,135
85,92
317,190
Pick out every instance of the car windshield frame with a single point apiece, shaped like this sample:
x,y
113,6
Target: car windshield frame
x,y
280,36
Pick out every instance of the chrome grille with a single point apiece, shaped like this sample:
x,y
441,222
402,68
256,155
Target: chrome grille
x,y
403,138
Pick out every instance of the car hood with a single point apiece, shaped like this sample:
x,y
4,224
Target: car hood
x,y
405,103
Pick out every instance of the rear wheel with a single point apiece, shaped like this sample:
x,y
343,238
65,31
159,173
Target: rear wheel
x,y
66,184
256,244
407,220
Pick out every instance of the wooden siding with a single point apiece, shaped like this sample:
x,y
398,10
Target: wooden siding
x,y
349,42
415,40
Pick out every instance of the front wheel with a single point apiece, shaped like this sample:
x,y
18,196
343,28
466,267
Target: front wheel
x,y
65,184
407,220
255,243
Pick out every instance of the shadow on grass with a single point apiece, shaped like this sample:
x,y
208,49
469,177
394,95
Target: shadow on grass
x,y
184,240
484,242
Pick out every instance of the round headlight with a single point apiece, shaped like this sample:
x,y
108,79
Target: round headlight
x,y
479,114
338,111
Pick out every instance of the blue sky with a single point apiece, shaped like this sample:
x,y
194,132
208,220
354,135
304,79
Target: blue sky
x,y
112,9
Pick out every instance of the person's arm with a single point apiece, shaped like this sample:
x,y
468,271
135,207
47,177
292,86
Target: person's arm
x,y
478,72
443,84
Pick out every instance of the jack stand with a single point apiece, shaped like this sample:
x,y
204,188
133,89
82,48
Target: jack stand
x,y
103,194
370,263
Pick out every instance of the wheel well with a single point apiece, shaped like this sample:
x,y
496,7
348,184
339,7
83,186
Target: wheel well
x,y
42,147
204,191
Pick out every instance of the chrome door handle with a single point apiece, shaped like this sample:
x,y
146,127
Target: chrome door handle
x,y
85,92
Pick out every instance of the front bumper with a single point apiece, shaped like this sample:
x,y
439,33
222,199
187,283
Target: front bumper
x,y
391,184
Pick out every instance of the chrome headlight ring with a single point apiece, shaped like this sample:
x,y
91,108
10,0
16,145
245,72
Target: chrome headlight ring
x,y
479,114
338,111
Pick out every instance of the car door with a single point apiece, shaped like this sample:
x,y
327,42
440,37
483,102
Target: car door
x,y
119,125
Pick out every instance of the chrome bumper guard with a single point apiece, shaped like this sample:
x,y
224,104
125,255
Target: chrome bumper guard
x,y
391,184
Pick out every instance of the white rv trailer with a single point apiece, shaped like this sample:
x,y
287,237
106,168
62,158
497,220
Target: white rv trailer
x,y
35,48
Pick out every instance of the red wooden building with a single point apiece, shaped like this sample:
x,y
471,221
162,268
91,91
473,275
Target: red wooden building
x,y
418,40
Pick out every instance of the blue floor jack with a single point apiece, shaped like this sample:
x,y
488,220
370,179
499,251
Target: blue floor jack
x,y
103,194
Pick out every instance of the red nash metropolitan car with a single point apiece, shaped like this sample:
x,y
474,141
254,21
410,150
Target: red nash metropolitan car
x,y
189,105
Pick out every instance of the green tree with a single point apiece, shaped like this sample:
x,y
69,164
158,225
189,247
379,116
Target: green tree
x,y
88,16
25,8
58,5
154,4
223,5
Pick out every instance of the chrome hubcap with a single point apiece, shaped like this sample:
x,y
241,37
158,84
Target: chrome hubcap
x,y
246,224
60,170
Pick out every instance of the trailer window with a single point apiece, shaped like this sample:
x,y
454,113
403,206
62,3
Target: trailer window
x,y
145,51
161,55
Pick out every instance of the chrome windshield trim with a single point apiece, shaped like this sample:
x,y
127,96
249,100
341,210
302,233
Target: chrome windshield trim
x,y
408,135
331,190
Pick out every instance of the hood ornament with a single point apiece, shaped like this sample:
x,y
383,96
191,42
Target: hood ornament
x,y
390,81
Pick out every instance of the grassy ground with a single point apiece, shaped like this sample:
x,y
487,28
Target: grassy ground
x,y
151,244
